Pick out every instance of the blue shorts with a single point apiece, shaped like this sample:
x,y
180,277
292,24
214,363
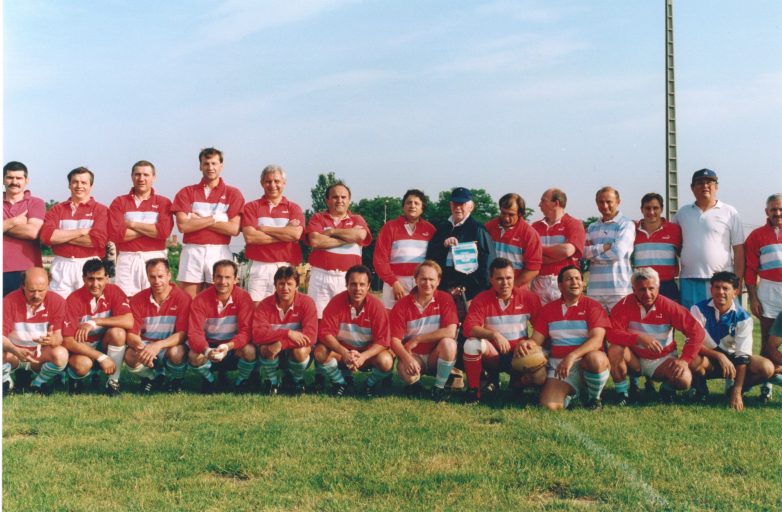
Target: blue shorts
x,y
694,291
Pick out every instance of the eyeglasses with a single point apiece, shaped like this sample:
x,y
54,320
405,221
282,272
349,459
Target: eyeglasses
x,y
708,183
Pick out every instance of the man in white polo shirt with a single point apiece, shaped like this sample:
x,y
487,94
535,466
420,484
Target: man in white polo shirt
x,y
712,239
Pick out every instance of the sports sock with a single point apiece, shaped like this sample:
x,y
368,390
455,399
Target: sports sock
x,y
72,374
331,370
269,369
622,387
633,381
7,372
205,370
473,366
728,384
297,369
776,379
667,387
246,369
143,371
47,373
443,371
116,354
376,376
595,383
175,371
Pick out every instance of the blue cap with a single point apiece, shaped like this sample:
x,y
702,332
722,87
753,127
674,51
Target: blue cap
x,y
461,195
704,173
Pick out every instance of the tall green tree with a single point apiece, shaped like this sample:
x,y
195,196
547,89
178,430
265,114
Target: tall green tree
x,y
376,211
318,192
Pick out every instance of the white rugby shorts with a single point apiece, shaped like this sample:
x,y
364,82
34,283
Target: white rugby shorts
x,y
130,273
195,262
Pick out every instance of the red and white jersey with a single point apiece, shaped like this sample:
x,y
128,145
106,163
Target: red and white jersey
x,y
262,213
154,210
211,323
629,319
19,254
408,319
397,251
568,327
763,249
659,250
510,319
337,258
520,244
271,324
221,199
65,216
22,325
565,230
81,307
153,321
355,330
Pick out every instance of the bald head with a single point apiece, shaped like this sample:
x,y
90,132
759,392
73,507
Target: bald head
x,y
35,285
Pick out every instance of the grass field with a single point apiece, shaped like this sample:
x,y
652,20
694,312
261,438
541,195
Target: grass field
x,y
249,452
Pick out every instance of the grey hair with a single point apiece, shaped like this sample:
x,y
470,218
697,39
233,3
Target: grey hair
x,y
273,169
773,197
645,274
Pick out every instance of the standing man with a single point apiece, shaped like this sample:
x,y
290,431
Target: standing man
x,y
575,326
97,319
562,239
764,275
712,239
23,217
354,334
727,348
219,328
641,338
336,237
272,227
401,247
496,324
139,224
77,231
32,331
285,324
658,244
156,343
207,213
609,245
423,332
515,240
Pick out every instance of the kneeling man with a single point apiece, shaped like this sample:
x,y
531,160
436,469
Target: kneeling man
x,y
156,343
576,326
219,327
285,323
423,331
95,329
641,338
354,334
496,323
727,348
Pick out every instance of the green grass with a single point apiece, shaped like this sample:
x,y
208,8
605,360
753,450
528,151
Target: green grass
x,y
248,452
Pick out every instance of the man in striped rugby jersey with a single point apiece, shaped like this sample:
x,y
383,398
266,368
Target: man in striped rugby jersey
x,y
97,319
219,329
285,324
515,240
658,244
575,327
609,245
354,335
139,224
156,343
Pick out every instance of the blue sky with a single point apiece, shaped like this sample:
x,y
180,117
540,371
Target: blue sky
x,y
507,96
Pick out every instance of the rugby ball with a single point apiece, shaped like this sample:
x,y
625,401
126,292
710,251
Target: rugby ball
x,y
532,362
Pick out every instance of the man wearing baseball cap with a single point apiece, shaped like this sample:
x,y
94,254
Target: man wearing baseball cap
x,y
712,239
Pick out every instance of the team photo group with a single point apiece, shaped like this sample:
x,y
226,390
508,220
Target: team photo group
x,y
560,308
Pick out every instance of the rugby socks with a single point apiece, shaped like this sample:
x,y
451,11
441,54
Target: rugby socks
x,y
622,387
297,369
7,372
376,376
443,371
72,375
205,370
116,354
776,379
595,383
246,369
331,370
634,381
143,371
176,371
47,373
473,366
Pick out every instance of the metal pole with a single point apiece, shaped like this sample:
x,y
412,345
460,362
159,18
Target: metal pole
x,y
671,171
